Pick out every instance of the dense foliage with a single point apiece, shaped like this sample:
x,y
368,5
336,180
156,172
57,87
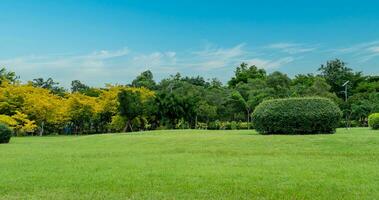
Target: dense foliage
x,y
373,121
43,107
5,133
297,116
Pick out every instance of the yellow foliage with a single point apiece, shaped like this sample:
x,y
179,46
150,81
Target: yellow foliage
x,y
24,125
25,107
38,103
108,99
5,119
77,101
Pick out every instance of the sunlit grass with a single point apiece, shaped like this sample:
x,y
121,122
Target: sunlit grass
x,y
192,164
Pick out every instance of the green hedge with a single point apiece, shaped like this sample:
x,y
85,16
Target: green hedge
x,y
5,133
373,121
310,115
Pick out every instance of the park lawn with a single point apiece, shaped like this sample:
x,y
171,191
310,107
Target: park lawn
x,y
192,164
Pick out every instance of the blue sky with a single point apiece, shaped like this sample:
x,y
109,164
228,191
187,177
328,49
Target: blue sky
x,y
112,41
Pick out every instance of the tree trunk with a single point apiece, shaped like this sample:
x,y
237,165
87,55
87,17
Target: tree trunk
x,y
42,129
196,122
207,123
126,127
248,119
130,125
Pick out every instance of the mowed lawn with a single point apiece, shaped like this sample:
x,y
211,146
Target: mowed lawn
x,y
192,164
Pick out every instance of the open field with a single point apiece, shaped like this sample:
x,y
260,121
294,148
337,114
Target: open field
x,y
191,164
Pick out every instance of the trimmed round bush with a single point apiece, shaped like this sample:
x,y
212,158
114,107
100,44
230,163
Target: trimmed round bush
x,y
311,115
373,121
5,133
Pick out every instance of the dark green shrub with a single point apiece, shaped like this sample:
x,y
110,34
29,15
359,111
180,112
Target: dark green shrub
x,y
5,133
373,121
297,116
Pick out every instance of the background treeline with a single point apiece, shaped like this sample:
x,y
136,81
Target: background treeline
x,y
42,107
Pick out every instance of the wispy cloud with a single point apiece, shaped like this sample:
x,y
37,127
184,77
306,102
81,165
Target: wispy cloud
x,y
217,58
122,65
94,59
356,47
161,62
156,58
374,49
214,58
66,67
362,52
291,48
270,64
115,65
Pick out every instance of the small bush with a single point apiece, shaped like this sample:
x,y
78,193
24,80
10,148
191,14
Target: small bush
x,y
182,124
226,125
243,125
212,126
297,116
5,133
217,125
351,124
373,121
200,125
233,125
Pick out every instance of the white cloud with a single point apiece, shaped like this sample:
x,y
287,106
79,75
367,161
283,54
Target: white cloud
x,y
118,66
94,59
156,58
270,64
159,62
362,52
374,49
65,67
357,47
291,48
215,58
211,52
122,65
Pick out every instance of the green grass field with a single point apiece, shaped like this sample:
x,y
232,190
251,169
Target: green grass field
x,y
192,164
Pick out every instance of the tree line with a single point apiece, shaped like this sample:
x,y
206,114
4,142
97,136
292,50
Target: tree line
x,y
41,106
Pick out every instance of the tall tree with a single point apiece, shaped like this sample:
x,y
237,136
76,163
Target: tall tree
x,y
49,84
145,79
239,101
8,76
77,86
280,83
130,106
198,81
243,73
336,73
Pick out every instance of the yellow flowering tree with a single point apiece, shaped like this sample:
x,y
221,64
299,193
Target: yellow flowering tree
x,y
20,123
82,111
39,104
